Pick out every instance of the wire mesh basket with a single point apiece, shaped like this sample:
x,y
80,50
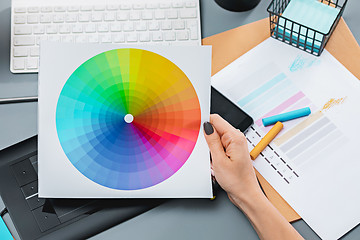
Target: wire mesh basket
x,y
295,34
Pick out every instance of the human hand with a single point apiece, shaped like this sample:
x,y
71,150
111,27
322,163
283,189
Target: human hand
x,y
234,172
231,163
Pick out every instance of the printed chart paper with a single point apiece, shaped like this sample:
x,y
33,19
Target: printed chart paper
x,y
313,162
123,121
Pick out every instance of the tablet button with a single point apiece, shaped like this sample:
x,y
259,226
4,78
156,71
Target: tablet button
x,y
24,172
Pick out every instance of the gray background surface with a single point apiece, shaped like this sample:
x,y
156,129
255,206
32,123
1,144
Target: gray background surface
x,y
177,219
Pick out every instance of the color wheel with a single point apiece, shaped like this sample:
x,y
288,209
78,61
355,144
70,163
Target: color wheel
x,y
128,119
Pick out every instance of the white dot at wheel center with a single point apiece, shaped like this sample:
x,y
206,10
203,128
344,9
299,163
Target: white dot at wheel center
x,y
129,118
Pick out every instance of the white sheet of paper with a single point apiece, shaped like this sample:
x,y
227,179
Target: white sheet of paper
x,y
313,162
58,178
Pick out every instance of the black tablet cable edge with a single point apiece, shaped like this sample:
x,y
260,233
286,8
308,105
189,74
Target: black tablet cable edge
x,y
3,212
18,100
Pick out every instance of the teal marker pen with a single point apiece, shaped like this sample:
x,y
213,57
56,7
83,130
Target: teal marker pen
x,y
286,116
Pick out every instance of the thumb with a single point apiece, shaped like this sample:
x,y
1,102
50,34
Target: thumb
x,y
214,142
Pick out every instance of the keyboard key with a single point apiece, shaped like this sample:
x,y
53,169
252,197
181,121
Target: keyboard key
x,y
190,4
32,19
90,28
73,8
164,5
19,63
70,18
118,38
85,8
22,30
99,7
144,37
67,39
131,37
59,9
64,29
140,26
183,35
81,39
134,15
24,41
59,18
77,28
103,27
115,27
177,4
96,17
93,39
191,23
41,38
157,36
153,26
169,36
105,39
151,5
84,17
188,13
35,51
172,14
46,9
110,16
160,14
112,7
33,9
54,38
51,29
194,34
39,29
20,51
138,6
121,16
20,10
166,25
20,19
179,25
44,18
128,27
125,6
32,63
147,15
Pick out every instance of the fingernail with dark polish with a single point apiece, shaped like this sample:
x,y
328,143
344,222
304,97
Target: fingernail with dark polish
x,y
208,128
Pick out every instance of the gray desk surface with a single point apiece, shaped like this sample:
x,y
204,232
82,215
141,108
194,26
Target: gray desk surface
x,y
177,219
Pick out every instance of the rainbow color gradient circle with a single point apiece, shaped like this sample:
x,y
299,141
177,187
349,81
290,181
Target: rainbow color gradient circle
x,y
128,119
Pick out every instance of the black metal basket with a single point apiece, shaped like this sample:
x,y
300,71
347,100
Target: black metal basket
x,y
298,35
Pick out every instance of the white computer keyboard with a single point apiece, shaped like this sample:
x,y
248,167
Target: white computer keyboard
x,y
151,22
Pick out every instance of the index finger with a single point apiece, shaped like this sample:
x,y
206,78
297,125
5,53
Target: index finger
x,y
221,125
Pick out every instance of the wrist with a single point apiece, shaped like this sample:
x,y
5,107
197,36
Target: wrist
x,y
247,200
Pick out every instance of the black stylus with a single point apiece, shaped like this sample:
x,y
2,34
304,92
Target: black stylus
x,y
18,100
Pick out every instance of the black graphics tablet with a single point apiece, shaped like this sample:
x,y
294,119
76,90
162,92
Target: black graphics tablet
x,y
39,218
